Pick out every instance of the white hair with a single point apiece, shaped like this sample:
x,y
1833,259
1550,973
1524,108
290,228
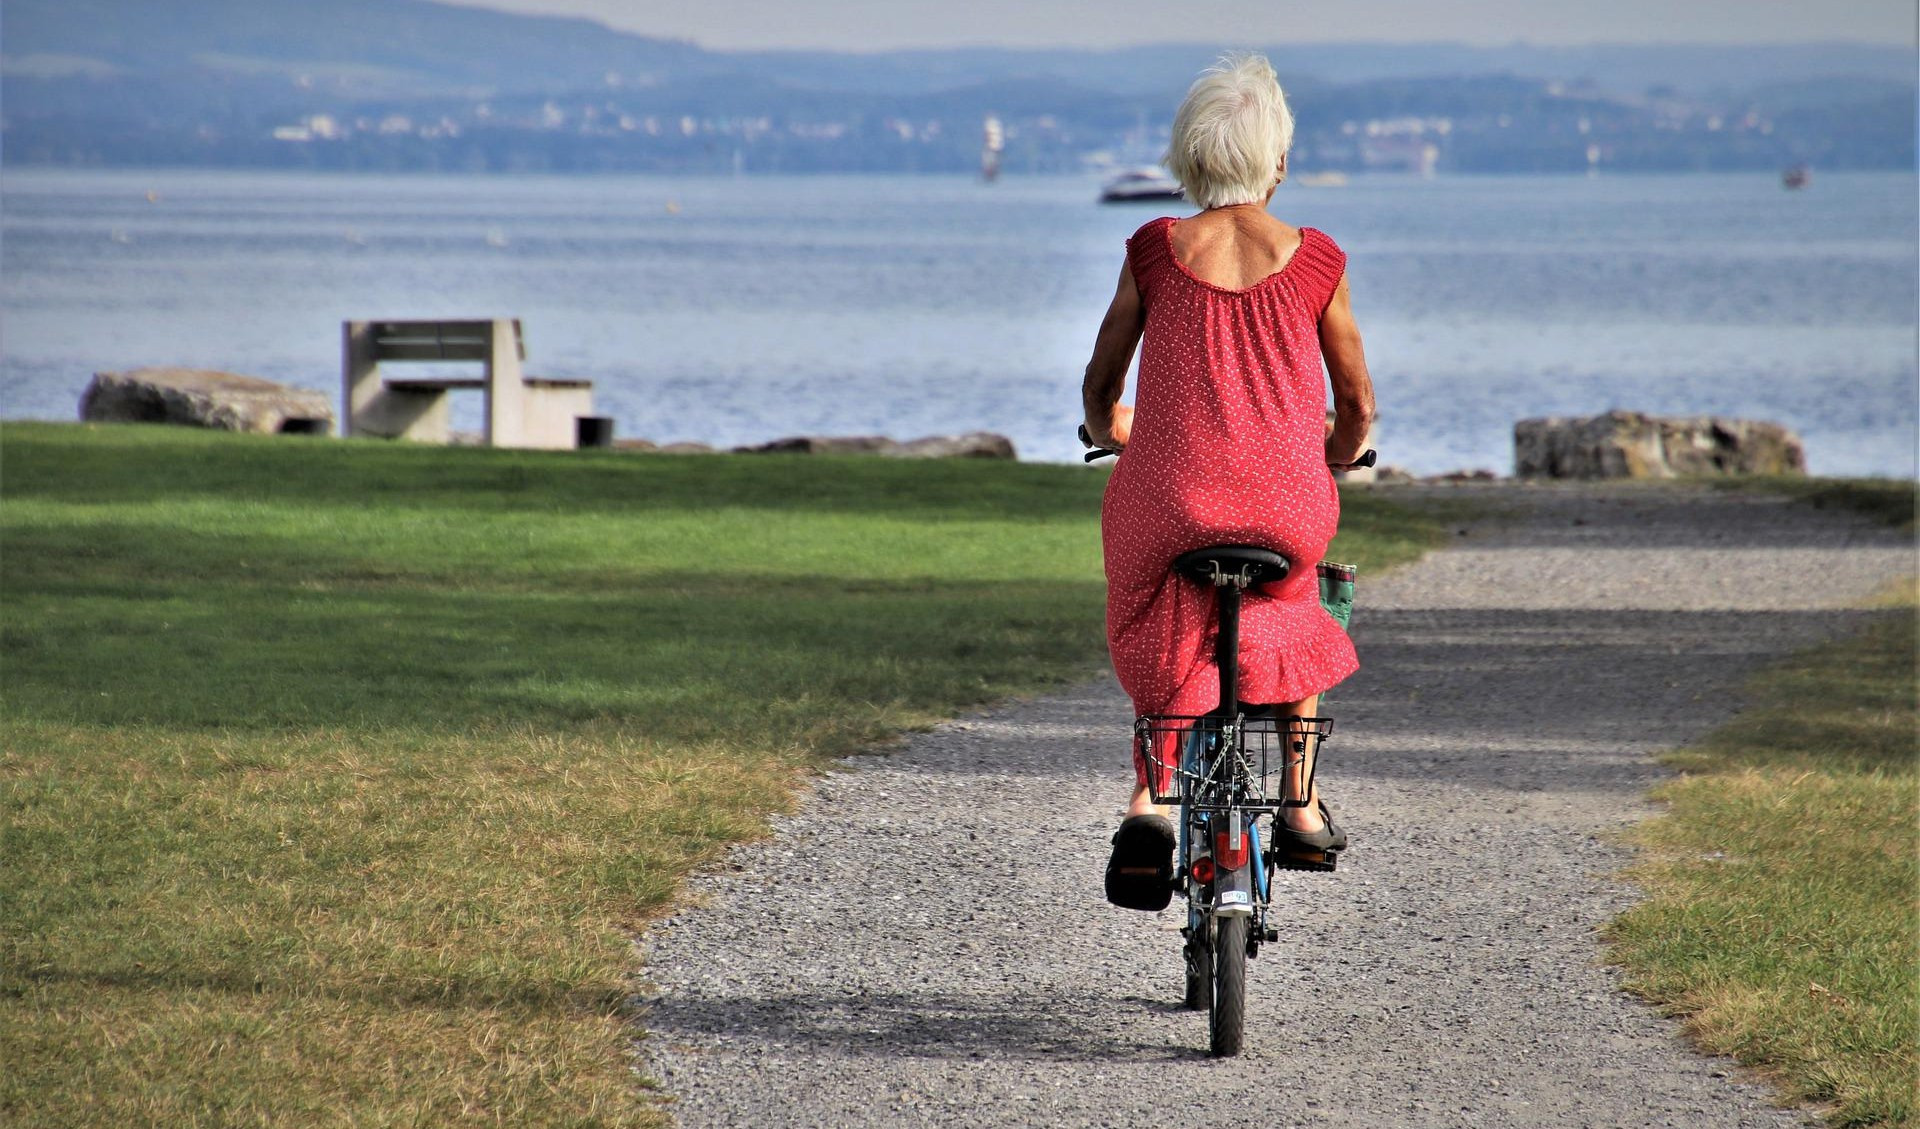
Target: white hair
x,y
1231,133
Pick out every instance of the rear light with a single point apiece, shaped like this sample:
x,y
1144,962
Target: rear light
x,y
1231,848
1202,869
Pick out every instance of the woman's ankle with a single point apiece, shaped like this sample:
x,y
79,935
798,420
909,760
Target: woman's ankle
x,y
1306,818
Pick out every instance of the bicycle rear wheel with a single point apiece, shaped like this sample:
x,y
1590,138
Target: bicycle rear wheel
x,y
1199,954
1227,1020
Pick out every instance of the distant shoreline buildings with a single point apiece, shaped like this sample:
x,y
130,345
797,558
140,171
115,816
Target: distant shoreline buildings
x,y
1529,128
470,91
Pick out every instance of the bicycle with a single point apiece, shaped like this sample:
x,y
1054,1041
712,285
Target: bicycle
x,y
1231,768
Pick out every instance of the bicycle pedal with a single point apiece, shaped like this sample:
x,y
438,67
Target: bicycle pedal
x,y
1320,863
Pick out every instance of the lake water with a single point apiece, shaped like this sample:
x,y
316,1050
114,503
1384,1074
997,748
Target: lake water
x,y
737,310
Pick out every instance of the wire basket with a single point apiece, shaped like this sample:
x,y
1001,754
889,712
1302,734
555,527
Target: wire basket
x,y
1188,760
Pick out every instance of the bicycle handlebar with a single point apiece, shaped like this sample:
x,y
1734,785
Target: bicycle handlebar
x,y
1097,453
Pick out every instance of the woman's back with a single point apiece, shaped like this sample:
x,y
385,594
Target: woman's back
x,y
1234,248
1232,396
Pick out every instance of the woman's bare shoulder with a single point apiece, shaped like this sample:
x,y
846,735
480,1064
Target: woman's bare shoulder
x,y
1285,233
1152,226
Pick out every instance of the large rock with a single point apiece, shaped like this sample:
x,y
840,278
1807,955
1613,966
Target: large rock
x,y
225,401
650,447
972,445
1632,445
823,445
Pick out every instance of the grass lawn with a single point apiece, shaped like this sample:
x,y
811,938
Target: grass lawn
x,y
334,776
1782,883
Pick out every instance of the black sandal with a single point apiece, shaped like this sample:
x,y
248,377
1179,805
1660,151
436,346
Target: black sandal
x,y
1308,850
1140,871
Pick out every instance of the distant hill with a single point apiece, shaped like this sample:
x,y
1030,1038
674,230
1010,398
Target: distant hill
x,y
409,84
365,47
1164,71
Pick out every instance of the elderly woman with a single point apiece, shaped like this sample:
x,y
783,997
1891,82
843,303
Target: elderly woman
x,y
1234,313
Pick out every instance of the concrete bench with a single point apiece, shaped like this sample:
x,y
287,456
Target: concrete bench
x,y
520,411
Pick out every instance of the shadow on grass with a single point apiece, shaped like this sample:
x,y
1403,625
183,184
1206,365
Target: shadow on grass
x,y
673,658
1889,501
133,463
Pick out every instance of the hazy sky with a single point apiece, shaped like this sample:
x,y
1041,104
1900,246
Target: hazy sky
x,y
861,25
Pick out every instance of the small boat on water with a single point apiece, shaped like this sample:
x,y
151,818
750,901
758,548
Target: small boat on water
x,y
993,140
1137,185
1795,176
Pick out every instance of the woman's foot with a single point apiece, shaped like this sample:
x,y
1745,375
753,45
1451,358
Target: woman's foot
x,y
1307,820
1318,849
1140,870
1311,828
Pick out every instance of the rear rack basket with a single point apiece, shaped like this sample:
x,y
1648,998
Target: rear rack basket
x,y
1185,754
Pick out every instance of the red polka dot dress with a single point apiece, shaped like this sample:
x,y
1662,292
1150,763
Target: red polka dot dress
x,y
1228,447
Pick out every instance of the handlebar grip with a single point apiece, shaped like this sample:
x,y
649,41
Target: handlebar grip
x,y
1097,453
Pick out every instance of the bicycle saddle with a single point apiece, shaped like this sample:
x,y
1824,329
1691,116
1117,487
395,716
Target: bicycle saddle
x,y
1259,566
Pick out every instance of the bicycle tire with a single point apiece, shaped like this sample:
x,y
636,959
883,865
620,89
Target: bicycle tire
x,y
1199,961
1227,1021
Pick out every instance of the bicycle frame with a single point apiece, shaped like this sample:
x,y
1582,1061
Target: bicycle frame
x,y
1231,771
1225,812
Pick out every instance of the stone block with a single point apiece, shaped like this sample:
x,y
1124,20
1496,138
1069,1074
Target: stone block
x,y
224,401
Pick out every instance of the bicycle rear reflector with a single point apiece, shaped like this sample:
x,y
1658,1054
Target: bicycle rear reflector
x,y
1230,848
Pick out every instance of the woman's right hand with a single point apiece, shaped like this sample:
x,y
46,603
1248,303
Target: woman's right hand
x,y
1114,436
1347,371
1109,422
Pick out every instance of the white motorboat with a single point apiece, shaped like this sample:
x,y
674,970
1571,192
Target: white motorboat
x,y
1143,184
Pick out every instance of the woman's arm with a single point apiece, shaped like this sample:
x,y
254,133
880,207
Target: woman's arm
x,y
1352,387
1112,356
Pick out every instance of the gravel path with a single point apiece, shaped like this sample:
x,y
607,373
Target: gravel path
x,y
925,942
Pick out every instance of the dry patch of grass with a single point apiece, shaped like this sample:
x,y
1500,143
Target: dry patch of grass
x,y
1781,885
328,928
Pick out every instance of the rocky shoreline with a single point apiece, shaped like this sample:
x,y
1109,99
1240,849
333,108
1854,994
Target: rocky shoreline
x,y
970,445
1616,444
